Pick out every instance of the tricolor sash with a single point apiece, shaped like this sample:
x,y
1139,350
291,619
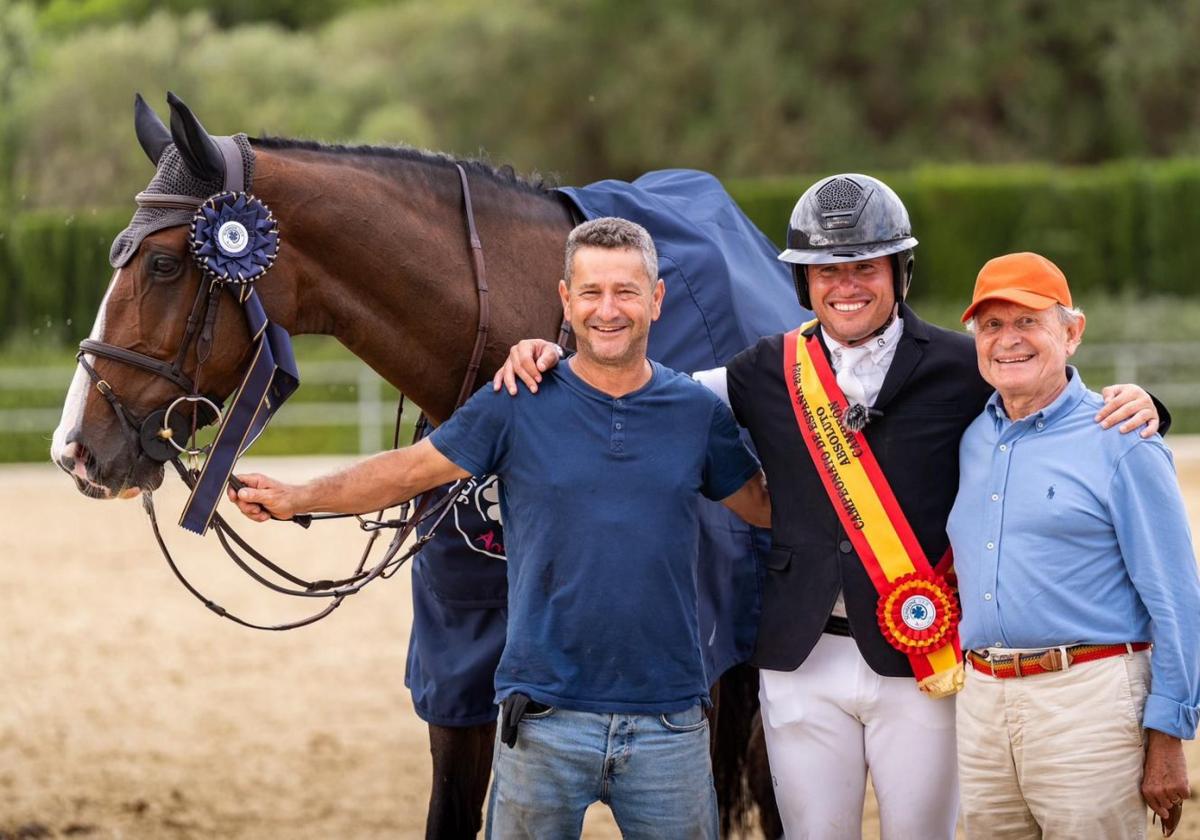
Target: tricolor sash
x,y
917,612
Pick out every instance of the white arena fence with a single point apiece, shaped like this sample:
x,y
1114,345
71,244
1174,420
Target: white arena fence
x,y
366,406
1171,370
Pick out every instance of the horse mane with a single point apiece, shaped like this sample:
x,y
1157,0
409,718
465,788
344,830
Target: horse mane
x,y
535,183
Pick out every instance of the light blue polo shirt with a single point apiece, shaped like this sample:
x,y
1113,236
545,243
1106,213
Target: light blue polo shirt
x,y
1066,533
599,499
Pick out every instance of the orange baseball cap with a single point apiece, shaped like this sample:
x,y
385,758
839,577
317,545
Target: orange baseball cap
x,y
1025,278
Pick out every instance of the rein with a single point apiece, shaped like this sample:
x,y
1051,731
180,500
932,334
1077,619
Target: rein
x,y
157,434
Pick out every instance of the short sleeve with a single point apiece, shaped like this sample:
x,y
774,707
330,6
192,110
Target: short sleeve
x,y
728,463
477,435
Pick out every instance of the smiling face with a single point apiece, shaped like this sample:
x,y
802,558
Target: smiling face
x,y
854,299
610,305
1023,352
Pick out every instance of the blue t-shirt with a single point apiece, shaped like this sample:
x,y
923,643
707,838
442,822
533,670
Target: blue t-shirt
x,y
599,500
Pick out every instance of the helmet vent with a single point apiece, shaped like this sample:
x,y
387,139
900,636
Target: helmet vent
x,y
839,195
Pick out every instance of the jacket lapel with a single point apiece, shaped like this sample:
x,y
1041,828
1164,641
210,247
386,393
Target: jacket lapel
x,y
908,353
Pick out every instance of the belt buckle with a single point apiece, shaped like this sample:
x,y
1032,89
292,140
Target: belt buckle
x,y
1056,659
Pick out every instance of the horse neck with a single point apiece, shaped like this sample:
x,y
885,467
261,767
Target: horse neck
x,y
376,253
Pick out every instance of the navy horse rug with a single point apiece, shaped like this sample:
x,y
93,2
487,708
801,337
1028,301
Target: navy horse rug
x,y
725,290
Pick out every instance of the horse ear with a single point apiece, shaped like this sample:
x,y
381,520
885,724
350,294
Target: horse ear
x,y
152,135
199,151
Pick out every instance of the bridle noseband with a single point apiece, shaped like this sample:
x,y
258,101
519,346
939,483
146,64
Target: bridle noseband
x,y
155,435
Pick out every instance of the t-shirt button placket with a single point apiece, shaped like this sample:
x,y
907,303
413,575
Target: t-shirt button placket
x,y
617,434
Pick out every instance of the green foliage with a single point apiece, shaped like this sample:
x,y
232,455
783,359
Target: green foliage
x,y
61,272
69,15
602,89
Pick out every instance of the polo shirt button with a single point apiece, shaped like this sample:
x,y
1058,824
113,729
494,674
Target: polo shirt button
x,y
845,547
987,596
991,545
1041,425
995,497
617,426
1003,447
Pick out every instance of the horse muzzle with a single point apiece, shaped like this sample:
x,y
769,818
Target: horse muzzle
x,y
119,476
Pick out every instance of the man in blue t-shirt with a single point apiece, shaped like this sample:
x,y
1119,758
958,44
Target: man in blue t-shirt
x,y
601,476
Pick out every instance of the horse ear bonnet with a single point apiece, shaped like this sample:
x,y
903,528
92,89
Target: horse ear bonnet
x,y
173,178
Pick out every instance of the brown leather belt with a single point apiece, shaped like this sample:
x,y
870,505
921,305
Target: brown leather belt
x,y
1046,661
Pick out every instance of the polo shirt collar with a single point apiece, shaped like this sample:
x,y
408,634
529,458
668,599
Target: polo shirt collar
x,y
574,380
1062,405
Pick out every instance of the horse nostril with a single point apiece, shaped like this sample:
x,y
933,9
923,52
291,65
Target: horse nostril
x,y
66,458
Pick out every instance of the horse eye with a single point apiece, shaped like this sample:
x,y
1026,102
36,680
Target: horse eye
x,y
164,265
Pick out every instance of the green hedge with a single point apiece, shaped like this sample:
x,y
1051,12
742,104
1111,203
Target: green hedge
x,y
1123,227
1119,228
53,273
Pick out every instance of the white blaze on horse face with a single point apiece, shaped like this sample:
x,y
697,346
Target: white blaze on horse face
x,y
72,416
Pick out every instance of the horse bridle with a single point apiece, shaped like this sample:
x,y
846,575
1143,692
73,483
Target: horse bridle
x,y
156,436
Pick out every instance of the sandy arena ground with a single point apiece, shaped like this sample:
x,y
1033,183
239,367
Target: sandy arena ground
x,y
127,710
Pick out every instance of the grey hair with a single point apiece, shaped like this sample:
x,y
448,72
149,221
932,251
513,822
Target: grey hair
x,y
614,233
1068,317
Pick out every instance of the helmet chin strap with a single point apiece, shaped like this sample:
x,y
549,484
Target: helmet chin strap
x,y
877,332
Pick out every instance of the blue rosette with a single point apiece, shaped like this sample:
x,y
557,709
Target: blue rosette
x,y
235,239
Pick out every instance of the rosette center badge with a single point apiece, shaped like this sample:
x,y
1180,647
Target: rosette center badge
x,y
918,612
235,239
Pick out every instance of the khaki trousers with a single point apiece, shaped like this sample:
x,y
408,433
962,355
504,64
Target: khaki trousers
x,y
1056,756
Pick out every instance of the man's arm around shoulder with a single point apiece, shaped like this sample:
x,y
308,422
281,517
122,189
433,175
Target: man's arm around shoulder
x,y
752,502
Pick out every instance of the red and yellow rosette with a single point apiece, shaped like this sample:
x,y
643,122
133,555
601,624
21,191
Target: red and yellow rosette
x,y
918,612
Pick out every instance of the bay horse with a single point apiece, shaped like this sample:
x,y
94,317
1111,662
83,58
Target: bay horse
x,y
375,256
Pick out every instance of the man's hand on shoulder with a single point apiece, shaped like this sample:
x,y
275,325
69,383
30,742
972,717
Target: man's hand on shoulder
x,y
264,497
1129,405
527,360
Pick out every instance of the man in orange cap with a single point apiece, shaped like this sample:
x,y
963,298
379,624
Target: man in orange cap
x,y
1073,555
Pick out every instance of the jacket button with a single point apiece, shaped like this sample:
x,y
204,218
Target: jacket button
x,y
845,547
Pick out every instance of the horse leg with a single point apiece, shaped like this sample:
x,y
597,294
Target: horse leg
x,y
462,764
739,768
732,709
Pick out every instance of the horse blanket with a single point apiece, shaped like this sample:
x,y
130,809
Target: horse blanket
x,y
725,290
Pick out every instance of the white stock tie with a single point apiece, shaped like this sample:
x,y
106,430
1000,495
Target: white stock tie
x,y
847,378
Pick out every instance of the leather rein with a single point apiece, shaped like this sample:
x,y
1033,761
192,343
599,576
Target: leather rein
x,y
156,436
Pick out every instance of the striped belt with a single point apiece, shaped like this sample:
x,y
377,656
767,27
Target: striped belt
x,y
1046,661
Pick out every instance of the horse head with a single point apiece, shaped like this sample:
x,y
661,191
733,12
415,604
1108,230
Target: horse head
x,y
156,309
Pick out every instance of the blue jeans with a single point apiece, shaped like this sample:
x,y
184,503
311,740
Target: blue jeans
x,y
653,771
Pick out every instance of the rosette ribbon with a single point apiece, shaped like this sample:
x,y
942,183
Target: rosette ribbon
x,y
235,240
272,377
918,614
234,237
